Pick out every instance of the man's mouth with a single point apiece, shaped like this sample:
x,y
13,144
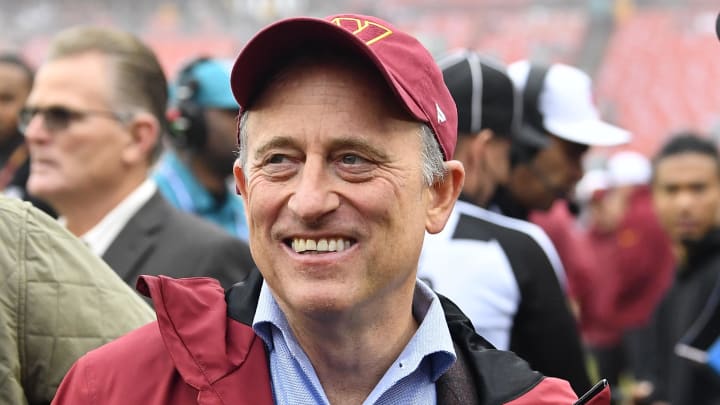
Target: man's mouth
x,y
322,245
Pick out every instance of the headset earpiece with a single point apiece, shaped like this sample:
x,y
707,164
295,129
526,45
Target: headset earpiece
x,y
186,117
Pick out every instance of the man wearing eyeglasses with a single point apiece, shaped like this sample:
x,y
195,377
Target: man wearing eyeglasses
x,y
92,122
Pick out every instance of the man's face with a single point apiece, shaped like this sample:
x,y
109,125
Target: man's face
x,y
220,145
86,157
14,89
607,211
552,174
336,203
686,191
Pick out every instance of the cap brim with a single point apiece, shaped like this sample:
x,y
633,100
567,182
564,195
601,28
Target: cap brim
x,y
589,132
268,48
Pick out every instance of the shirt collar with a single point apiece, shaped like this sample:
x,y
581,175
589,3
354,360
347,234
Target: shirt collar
x,y
101,236
432,338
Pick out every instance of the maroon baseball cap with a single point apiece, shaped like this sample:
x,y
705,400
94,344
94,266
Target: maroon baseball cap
x,y
406,65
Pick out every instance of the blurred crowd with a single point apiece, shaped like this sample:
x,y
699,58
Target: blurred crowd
x,y
586,233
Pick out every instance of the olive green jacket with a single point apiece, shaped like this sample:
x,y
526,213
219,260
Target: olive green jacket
x,y
57,302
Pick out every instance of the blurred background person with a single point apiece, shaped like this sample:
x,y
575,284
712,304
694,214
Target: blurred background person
x,y
196,175
59,301
16,78
93,123
686,193
625,269
557,103
499,270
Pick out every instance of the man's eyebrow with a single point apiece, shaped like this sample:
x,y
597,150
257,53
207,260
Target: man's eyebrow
x,y
275,142
348,142
359,145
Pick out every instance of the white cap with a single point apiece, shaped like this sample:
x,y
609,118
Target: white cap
x,y
566,105
594,180
629,168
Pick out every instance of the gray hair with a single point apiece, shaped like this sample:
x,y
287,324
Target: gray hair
x,y
139,81
433,168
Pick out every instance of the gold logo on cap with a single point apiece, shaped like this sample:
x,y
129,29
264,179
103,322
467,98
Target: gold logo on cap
x,y
369,31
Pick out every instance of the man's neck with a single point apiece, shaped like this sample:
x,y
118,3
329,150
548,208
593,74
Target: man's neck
x,y
351,357
85,210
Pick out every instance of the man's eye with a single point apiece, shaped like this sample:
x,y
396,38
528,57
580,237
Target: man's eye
x,y
276,159
352,159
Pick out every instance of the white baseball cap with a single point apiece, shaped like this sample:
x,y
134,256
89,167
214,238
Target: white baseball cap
x,y
629,168
564,105
593,181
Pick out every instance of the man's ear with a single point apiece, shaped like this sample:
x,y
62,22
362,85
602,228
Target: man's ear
x,y
144,131
240,183
241,188
480,141
443,195
471,147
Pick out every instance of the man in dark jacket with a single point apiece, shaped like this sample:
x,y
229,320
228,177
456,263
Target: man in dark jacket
x,y
686,190
346,134
93,122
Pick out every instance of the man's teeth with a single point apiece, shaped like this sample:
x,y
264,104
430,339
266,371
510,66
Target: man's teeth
x,y
321,245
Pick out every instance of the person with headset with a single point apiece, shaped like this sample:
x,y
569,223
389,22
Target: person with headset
x,y
196,175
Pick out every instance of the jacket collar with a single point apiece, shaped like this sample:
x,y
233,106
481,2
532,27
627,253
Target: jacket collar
x,y
700,251
496,375
137,238
216,351
221,358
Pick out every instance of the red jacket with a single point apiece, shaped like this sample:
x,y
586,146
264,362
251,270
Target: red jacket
x,y
203,350
618,277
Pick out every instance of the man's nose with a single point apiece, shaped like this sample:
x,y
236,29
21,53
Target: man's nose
x,y
684,201
35,130
314,196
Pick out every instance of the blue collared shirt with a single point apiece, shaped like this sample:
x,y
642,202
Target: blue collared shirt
x,y
180,187
410,380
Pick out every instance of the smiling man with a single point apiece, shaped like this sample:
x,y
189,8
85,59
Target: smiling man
x,y
346,134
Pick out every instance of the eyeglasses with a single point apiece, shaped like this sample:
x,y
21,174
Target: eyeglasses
x,y
57,118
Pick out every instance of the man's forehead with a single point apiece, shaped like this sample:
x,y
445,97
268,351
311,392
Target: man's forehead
x,y
14,74
685,167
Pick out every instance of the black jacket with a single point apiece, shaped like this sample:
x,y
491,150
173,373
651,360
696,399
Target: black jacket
x,y
678,380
